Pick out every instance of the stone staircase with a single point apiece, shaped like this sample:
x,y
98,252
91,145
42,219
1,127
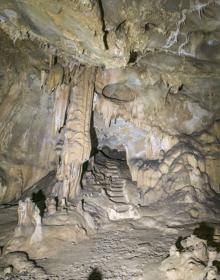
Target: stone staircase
x,y
115,183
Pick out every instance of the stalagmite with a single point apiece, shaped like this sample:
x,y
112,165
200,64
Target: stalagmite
x,y
77,142
110,139
28,213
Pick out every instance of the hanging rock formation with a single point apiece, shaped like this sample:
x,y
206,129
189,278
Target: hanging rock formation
x,y
110,122
77,142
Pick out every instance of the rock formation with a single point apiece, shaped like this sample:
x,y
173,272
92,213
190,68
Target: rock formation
x,y
109,119
40,236
111,189
20,263
194,261
77,142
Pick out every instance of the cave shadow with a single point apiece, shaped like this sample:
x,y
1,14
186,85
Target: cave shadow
x,y
95,275
39,199
204,231
178,243
207,232
94,147
94,138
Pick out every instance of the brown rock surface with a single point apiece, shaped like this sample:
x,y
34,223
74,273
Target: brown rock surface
x,y
109,120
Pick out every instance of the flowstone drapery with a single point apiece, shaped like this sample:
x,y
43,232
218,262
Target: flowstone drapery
x,y
77,143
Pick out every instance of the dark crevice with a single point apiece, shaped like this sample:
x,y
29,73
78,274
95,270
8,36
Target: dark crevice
x,y
113,154
39,199
94,147
94,138
119,27
105,32
95,275
207,232
133,57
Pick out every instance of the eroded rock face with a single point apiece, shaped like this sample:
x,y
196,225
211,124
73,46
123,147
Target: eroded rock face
x,y
168,108
113,32
26,117
195,261
171,78
77,142
41,236
108,185
161,94
121,100
19,262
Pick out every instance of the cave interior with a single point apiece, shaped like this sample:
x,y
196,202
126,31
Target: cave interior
x,y
110,139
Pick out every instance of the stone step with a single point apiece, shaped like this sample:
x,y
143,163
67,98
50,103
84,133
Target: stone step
x,y
115,194
120,208
117,186
115,189
113,186
120,199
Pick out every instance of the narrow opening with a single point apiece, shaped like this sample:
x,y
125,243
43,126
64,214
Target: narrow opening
x,y
105,32
39,199
133,57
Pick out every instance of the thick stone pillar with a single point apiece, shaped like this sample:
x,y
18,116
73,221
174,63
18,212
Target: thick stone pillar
x,y
77,142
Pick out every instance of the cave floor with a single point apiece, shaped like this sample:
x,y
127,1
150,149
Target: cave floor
x,y
118,254
120,251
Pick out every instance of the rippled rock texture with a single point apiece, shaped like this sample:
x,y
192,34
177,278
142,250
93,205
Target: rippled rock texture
x,y
109,112
26,118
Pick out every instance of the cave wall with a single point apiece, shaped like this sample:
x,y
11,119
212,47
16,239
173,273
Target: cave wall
x,y
156,86
26,117
162,101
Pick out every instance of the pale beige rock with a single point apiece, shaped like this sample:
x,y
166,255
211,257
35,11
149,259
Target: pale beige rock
x,y
55,78
25,119
42,239
8,270
43,79
164,168
191,263
164,98
28,213
20,262
60,106
77,143
192,160
51,206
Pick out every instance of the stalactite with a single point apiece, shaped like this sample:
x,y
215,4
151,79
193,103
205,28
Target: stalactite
x,y
77,142
55,78
108,109
150,172
43,78
60,106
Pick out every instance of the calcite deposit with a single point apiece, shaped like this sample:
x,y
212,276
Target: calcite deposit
x,y
194,261
109,133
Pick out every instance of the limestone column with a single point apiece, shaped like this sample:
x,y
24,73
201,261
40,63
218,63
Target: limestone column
x,y
77,142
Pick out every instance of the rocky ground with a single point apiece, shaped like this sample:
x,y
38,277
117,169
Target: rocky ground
x,y
120,251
